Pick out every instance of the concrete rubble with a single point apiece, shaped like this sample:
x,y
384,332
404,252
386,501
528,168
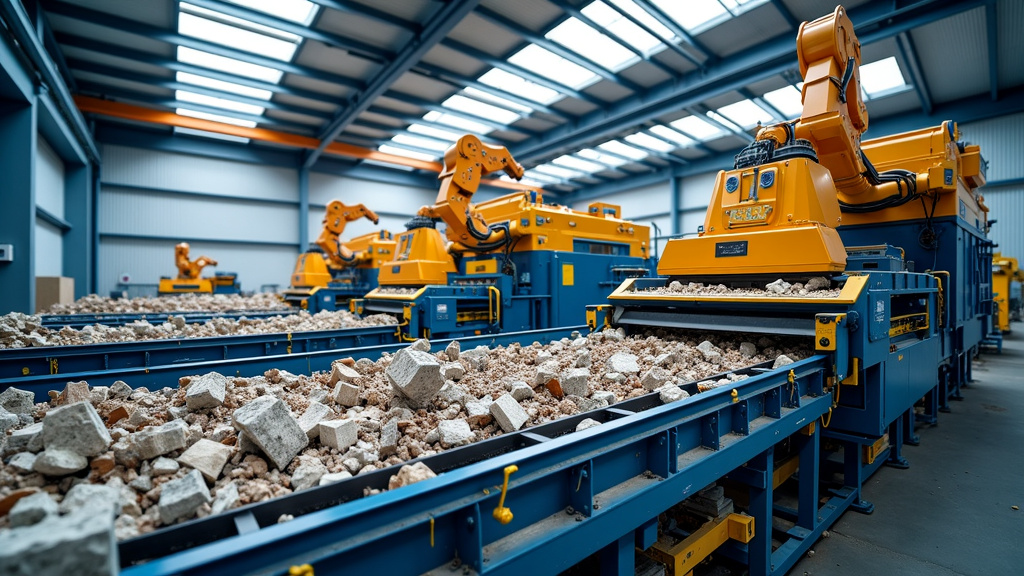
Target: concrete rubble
x,y
416,375
33,509
816,287
208,457
77,543
410,474
267,422
180,498
206,391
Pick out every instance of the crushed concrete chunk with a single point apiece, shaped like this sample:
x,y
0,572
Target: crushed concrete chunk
x,y
546,372
142,483
32,509
389,438
163,466
75,392
179,499
339,434
29,438
508,413
311,418
335,477
452,350
17,401
817,283
78,544
711,352
267,422
415,375
454,433
76,428
208,457
226,499
655,378
410,474
346,394
421,345
206,391
478,357
159,440
98,499
781,361
22,462
7,421
478,413
587,423
120,390
453,371
57,462
671,393
341,372
308,474
574,382
521,391
748,349
779,286
622,363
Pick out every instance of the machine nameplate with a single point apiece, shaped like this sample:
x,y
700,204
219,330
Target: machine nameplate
x,y
755,214
726,249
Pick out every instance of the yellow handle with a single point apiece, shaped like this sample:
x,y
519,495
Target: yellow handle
x,y
494,314
501,513
302,570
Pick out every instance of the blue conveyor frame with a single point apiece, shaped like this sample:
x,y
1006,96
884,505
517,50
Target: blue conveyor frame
x,y
617,478
77,321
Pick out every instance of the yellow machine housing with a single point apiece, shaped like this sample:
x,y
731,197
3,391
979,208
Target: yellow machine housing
x,y
421,257
312,270
188,280
1005,270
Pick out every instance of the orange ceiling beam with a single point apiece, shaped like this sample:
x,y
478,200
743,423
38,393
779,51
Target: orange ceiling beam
x,y
90,105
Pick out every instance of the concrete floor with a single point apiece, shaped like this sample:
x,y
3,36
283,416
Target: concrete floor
x,y
950,512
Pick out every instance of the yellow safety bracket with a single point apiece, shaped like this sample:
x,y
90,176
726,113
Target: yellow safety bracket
x,y
683,556
289,342
301,570
501,513
494,312
53,365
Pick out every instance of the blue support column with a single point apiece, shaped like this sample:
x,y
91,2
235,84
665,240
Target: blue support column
x,y
94,231
78,211
675,191
18,130
619,557
303,208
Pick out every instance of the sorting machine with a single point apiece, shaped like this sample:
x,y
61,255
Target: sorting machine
x,y
188,280
512,263
1005,274
331,271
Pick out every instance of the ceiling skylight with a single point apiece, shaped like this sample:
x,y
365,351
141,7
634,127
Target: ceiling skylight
x,y
787,100
533,178
299,11
604,15
696,128
552,66
673,135
236,37
746,114
194,98
229,65
624,150
498,100
477,108
426,143
450,137
517,85
584,40
602,157
881,76
558,171
650,142
388,149
223,86
696,14
459,122
215,118
578,163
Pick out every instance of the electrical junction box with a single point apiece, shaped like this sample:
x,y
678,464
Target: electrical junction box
x,y
6,252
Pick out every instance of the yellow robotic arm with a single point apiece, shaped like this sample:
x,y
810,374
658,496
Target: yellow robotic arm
x,y
337,217
188,269
465,163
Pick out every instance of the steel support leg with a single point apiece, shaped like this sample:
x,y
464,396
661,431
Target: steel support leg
x,y
760,547
931,406
619,557
853,477
810,452
909,436
895,458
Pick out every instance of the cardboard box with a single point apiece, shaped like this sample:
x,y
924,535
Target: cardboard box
x,y
52,290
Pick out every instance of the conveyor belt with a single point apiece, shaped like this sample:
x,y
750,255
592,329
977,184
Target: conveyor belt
x,y
58,321
616,478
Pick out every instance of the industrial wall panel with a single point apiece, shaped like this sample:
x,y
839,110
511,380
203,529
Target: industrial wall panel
x,y
1010,13
49,179
1001,144
696,191
185,172
1006,205
377,196
145,261
957,65
49,252
149,213
636,203
690,221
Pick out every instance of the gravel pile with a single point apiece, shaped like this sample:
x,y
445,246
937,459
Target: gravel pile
x,y
93,304
818,287
23,330
211,443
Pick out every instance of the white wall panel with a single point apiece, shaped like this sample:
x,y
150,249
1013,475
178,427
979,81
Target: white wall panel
x,y
49,179
185,172
1006,205
149,213
636,203
1002,144
377,196
690,221
696,190
147,260
49,251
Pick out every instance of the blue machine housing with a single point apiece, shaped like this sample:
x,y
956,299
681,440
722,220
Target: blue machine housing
x,y
531,290
961,257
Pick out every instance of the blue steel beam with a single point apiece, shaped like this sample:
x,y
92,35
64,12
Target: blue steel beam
x,y
460,81
370,12
992,35
440,23
303,207
18,133
58,134
78,209
913,65
665,41
556,48
786,13
963,111
52,219
157,33
20,27
876,20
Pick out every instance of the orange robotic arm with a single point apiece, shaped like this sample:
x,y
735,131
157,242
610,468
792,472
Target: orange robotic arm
x,y
187,269
337,217
465,163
